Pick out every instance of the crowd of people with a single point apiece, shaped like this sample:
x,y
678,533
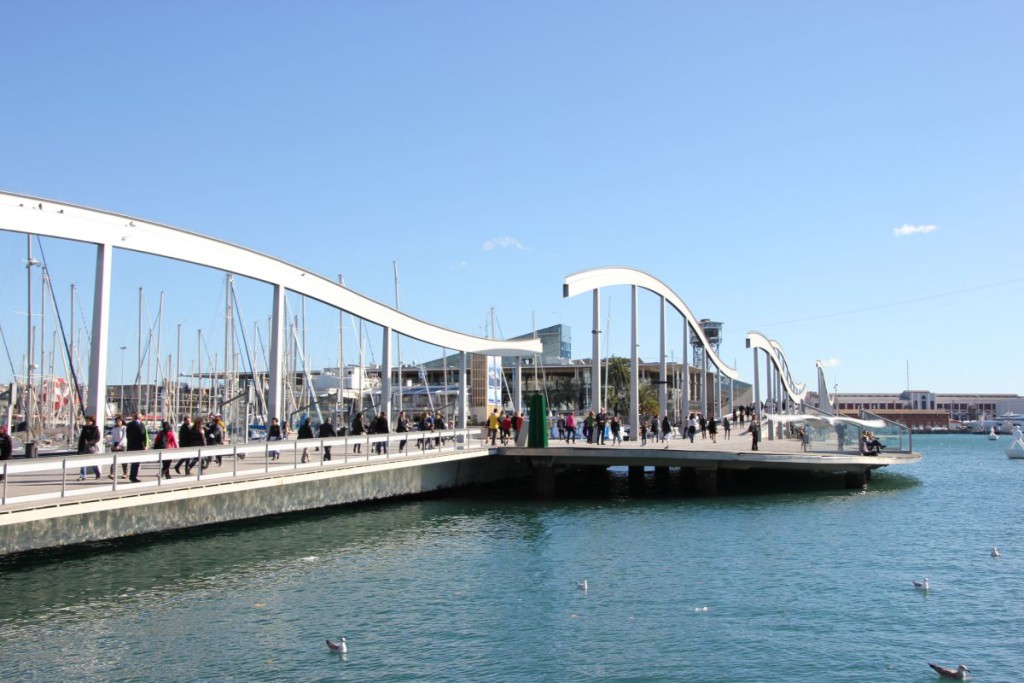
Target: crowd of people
x,y
602,428
198,431
596,427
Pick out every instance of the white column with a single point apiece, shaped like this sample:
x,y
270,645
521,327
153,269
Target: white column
x,y
463,386
686,370
757,388
718,393
96,399
595,371
517,386
663,369
385,361
634,368
275,400
704,383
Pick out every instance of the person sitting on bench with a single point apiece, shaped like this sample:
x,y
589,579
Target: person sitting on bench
x,y
871,444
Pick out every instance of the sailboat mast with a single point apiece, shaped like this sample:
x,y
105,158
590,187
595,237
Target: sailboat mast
x,y
199,369
73,394
177,380
161,396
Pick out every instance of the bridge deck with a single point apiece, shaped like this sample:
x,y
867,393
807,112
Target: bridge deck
x,y
733,453
53,481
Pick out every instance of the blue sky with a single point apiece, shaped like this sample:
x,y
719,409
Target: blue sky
x,y
846,178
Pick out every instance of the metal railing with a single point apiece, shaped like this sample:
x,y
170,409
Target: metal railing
x,y
897,438
58,477
821,433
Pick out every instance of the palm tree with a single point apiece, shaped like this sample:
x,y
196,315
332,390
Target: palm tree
x,y
650,403
564,392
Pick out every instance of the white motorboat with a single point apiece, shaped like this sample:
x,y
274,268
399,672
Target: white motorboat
x,y
1016,450
992,434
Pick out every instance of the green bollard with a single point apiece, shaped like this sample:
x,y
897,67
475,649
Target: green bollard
x,y
538,422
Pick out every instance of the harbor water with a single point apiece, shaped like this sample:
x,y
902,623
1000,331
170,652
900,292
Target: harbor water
x,y
805,582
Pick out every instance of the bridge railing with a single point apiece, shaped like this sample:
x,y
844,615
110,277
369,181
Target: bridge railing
x,y
820,436
58,477
896,438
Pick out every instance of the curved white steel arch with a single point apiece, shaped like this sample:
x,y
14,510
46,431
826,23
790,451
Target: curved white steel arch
x,y
826,403
106,230
35,216
588,280
756,340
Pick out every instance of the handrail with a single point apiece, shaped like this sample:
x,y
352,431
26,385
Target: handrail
x,y
373,448
891,429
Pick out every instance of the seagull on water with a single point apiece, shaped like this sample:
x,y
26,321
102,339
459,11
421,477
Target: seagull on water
x,y
959,673
995,552
923,585
337,645
582,585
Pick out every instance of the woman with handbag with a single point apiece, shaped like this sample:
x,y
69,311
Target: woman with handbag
x,y
88,442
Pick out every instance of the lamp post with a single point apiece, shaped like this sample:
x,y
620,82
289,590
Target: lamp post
x,y
121,402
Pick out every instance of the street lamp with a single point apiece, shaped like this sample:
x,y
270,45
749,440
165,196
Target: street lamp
x,y
121,402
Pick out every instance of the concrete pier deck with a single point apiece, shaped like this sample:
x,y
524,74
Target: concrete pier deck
x,y
45,505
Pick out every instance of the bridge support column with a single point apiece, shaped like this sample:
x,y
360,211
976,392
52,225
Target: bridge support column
x,y
543,478
636,475
385,376
662,369
757,386
517,386
96,400
463,393
275,370
718,394
634,366
707,481
686,371
857,479
595,368
661,478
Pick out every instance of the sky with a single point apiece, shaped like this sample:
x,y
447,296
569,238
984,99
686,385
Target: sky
x,y
845,178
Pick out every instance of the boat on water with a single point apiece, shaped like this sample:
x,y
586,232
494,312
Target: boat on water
x,y
992,436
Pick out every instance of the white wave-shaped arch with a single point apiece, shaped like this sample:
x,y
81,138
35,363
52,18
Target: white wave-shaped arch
x,y
596,278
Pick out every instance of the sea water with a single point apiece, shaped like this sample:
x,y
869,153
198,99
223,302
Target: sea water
x,y
809,582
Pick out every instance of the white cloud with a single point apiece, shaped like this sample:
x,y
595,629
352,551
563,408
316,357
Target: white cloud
x,y
502,243
904,230
830,363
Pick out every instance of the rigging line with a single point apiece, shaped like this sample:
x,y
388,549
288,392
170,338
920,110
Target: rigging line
x,y
891,304
240,323
14,373
60,323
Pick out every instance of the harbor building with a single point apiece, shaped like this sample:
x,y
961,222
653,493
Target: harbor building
x,y
923,409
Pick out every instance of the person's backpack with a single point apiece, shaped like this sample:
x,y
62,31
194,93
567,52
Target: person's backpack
x,y
161,440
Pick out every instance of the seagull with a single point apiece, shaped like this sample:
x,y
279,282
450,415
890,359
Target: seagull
x,y
582,585
995,552
337,645
959,673
922,585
